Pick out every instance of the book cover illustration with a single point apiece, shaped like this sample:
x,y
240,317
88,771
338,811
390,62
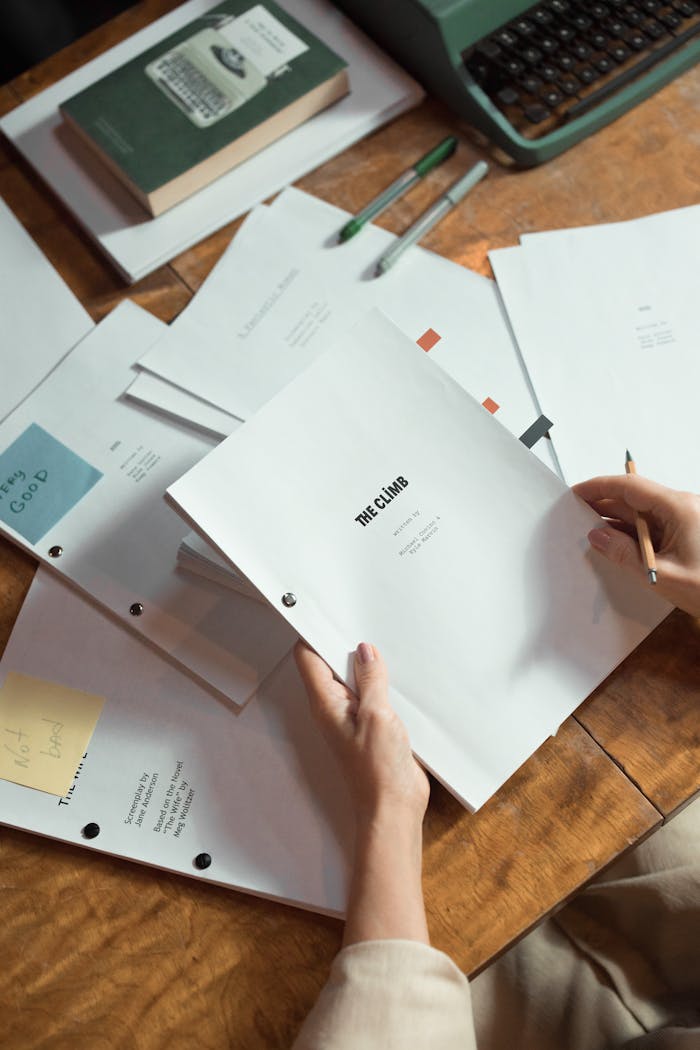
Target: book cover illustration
x,y
217,70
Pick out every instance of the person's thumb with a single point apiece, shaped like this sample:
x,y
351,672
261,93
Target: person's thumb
x,y
370,675
617,547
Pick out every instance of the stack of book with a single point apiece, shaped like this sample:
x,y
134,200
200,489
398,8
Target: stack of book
x,y
202,114
204,99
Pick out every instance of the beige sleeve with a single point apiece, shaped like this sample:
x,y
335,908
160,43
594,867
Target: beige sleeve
x,y
391,995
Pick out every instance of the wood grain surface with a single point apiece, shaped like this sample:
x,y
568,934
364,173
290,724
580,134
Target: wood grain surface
x,y
101,953
98,953
646,715
563,817
8,99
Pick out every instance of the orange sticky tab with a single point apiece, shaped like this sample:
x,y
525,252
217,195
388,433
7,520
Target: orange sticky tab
x,y
490,405
428,340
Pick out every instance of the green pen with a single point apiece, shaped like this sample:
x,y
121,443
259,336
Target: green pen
x,y
404,182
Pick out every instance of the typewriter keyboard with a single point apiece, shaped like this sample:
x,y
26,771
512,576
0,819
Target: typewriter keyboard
x,y
560,59
190,87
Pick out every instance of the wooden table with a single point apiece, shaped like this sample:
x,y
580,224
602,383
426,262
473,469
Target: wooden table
x,y
98,953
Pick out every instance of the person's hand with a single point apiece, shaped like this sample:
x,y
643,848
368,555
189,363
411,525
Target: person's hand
x,y
674,524
390,791
365,733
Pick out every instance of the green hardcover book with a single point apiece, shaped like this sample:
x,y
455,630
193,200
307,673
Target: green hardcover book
x,y
186,111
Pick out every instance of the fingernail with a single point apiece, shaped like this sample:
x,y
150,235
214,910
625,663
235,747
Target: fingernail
x,y
365,653
599,539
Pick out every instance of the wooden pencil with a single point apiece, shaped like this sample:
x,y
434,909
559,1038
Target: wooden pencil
x,y
642,527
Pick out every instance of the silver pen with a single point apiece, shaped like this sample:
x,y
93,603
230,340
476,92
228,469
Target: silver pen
x,y
437,211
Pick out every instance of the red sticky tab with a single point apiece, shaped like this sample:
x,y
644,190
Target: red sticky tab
x,y
490,405
428,340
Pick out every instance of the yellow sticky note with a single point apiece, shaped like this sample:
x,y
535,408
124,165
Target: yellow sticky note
x,y
44,731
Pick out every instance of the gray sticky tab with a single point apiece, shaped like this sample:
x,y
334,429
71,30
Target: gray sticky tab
x,y
539,429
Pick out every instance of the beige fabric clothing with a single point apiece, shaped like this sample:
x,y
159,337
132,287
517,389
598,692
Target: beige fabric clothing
x,y
618,967
391,995
622,960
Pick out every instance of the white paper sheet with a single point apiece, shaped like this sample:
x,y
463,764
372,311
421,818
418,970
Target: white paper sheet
x,y
285,288
606,320
196,555
138,244
174,403
172,772
474,577
41,318
84,472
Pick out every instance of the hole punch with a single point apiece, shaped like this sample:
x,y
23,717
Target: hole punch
x,y
90,831
202,861
55,551
136,609
289,600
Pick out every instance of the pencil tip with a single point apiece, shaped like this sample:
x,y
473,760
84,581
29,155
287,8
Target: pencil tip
x,y
628,456
652,576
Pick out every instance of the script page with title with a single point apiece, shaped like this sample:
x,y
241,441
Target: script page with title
x,y
373,499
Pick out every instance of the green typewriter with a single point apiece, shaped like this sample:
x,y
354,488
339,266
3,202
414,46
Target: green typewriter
x,y
536,78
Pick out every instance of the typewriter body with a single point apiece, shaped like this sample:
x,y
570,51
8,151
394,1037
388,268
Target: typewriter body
x,y
536,78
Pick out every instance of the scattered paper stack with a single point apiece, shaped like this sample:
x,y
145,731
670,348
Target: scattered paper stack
x,y
606,322
168,771
347,451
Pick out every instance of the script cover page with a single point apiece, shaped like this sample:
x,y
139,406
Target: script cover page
x,y
373,499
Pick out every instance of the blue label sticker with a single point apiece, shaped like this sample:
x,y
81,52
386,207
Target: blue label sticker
x,y
40,480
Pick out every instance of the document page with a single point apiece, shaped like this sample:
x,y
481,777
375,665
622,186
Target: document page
x,y
373,499
285,288
41,318
175,403
172,773
83,474
607,322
